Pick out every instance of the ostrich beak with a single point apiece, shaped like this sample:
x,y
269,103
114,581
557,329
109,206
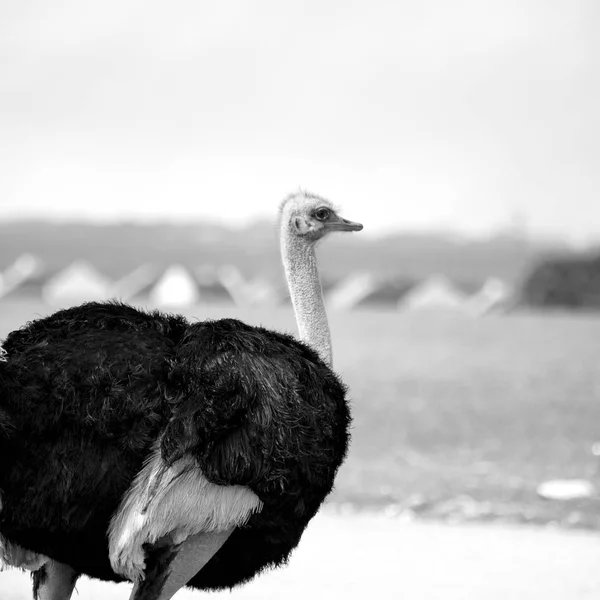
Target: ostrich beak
x,y
338,224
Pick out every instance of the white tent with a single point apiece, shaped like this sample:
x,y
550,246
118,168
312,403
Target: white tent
x,y
350,291
25,267
219,284
434,294
176,288
260,291
495,294
129,286
79,282
233,281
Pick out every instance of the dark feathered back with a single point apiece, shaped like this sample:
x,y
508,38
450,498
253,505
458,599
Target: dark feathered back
x,y
89,389
261,410
256,408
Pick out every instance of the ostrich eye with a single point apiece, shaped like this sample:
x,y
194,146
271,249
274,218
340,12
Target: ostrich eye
x,y
322,214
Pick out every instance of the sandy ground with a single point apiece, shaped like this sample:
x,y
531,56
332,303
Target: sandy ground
x,y
374,557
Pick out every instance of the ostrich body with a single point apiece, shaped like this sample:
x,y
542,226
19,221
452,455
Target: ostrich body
x,y
128,436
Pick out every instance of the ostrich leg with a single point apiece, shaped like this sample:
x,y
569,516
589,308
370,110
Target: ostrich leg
x,y
54,581
169,567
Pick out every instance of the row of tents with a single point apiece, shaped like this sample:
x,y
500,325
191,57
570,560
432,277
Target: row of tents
x,y
179,286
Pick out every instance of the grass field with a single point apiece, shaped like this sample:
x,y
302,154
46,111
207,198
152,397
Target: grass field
x,y
456,418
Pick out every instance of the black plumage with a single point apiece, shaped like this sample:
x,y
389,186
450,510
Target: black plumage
x,y
85,392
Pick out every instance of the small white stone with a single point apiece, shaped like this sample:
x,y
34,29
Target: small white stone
x,y
566,489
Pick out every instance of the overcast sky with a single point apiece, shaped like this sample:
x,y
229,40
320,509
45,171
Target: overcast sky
x,y
410,114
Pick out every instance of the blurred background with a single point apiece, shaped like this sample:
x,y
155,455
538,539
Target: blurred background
x,y
145,147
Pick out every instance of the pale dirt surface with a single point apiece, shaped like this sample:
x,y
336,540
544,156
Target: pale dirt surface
x,y
370,557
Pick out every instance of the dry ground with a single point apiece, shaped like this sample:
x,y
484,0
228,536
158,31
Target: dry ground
x,y
352,558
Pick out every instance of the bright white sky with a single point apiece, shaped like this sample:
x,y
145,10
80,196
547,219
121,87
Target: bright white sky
x,y
409,114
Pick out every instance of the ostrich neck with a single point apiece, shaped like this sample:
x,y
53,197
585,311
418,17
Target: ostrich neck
x,y
302,274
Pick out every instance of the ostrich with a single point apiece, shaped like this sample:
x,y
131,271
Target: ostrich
x,y
138,446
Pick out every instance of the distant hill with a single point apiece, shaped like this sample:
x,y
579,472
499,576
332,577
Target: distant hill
x,y
117,249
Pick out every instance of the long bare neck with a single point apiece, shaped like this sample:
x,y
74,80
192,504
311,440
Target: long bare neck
x,y
302,274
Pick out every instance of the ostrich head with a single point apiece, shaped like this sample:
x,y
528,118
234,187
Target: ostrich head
x,y
304,219
311,217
